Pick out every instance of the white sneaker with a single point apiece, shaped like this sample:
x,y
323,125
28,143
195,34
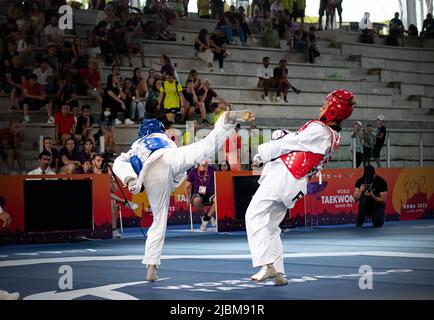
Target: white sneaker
x,y
213,221
26,119
116,234
51,120
221,70
117,121
204,224
4,295
129,121
133,205
267,99
279,99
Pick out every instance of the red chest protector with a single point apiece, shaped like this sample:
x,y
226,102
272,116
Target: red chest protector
x,y
301,163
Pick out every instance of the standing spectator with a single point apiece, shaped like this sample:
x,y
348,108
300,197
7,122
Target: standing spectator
x,y
200,190
427,31
10,139
323,5
167,67
65,124
368,145
37,20
357,136
280,75
84,127
232,149
203,50
299,10
203,8
379,139
34,97
44,164
265,78
47,145
171,97
333,6
15,77
107,128
118,39
68,157
217,9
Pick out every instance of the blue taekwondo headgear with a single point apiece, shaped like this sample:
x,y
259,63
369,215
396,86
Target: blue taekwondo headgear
x,y
148,126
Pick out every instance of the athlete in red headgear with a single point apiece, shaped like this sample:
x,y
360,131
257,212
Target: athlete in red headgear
x,y
289,163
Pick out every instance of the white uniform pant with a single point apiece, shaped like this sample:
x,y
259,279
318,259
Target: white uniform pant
x,y
159,181
278,191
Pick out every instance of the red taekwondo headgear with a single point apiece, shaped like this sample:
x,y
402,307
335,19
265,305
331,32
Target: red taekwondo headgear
x,y
339,106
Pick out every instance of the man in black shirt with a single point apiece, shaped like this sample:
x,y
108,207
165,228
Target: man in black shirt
x,y
371,192
379,139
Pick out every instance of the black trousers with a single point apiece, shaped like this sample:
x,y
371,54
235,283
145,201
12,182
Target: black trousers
x,y
368,207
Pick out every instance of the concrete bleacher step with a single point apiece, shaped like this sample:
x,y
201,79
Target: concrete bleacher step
x,y
420,78
397,64
426,90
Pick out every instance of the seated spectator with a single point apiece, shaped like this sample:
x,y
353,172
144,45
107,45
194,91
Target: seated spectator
x,y
44,164
313,50
132,102
116,70
194,76
152,100
45,76
52,58
396,30
86,167
68,158
15,77
140,83
412,31
218,45
224,166
28,57
65,125
265,78
115,99
87,152
37,20
206,95
276,6
271,37
34,97
280,75
301,43
152,76
10,139
47,145
365,26
66,94
427,31
203,50
192,104
106,129
53,33
199,189
84,127
171,97
90,80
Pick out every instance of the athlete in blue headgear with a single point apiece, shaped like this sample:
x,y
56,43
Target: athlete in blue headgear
x,y
155,163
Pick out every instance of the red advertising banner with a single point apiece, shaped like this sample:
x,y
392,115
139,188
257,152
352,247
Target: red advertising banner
x,y
410,196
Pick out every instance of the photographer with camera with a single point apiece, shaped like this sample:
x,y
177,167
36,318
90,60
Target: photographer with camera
x,y
371,192
101,163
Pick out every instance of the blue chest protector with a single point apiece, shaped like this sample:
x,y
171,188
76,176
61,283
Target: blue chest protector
x,y
152,144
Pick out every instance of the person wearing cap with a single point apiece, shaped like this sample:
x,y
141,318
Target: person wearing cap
x,y
371,193
379,139
289,164
357,136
